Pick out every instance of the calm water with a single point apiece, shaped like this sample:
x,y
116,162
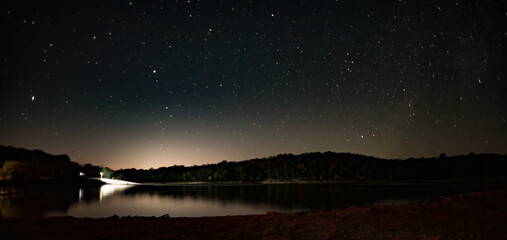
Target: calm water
x,y
194,201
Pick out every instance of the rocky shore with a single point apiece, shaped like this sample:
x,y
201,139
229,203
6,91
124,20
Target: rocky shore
x,y
477,215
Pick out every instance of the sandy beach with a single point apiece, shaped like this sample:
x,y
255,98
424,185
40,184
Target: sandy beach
x,y
477,215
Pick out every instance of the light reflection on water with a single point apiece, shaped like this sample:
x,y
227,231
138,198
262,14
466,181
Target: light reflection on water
x,y
80,194
109,190
219,200
113,200
156,205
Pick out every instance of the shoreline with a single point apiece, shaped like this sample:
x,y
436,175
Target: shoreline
x,y
97,182
343,182
476,215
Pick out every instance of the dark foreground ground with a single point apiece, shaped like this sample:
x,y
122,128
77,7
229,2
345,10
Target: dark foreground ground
x,y
479,215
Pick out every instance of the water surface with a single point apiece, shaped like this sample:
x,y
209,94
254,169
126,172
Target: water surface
x,y
220,200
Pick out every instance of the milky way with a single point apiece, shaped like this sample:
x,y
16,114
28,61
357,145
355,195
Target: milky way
x,y
157,83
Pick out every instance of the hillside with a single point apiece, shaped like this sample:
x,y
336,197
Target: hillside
x,y
22,166
329,166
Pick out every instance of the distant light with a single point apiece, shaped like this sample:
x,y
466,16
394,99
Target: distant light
x,y
154,71
33,98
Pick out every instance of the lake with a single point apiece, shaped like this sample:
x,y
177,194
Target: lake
x,y
219,200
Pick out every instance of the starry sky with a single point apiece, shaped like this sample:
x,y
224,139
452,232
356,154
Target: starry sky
x,y
141,84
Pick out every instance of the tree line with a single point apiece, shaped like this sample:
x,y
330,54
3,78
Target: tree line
x,y
21,165
328,166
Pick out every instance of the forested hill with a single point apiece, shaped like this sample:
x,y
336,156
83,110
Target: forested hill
x,y
20,165
329,166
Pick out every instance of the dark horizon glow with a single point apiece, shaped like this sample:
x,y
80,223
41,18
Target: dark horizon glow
x,y
142,84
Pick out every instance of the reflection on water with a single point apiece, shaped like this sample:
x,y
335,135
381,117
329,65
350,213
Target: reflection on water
x,y
218,200
80,194
110,189
37,201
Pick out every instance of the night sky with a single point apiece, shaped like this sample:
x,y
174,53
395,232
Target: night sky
x,y
157,83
